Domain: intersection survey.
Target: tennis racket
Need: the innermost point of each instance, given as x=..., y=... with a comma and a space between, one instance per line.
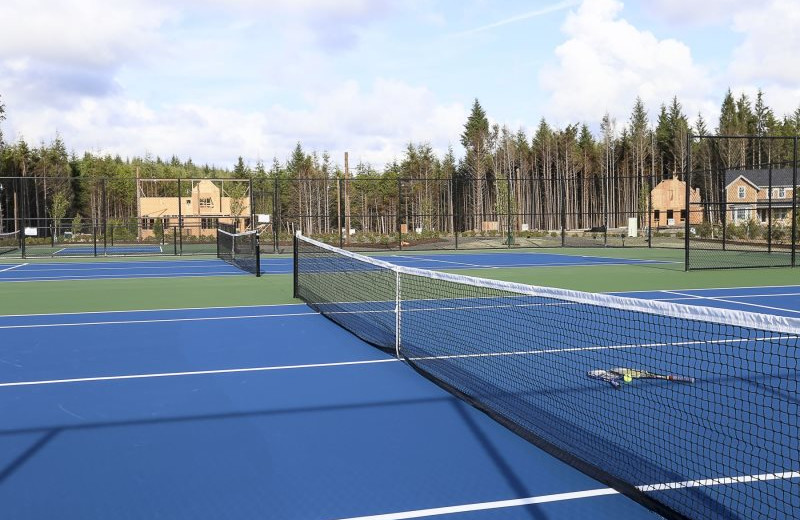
x=644, y=374
x=607, y=376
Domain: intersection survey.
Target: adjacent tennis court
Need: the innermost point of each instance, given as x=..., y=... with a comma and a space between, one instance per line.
x=31, y=271
x=277, y=412
x=26, y=270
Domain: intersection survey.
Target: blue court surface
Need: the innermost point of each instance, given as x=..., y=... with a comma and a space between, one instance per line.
x=495, y=260
x=29, y=270
x=110, y=250
x=266, y=412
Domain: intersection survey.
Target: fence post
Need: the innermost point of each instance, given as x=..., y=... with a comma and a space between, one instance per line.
x=276, y=223
x=340, y=210
x=794, y=203
x=455, y=187
x=563, y=211
x=509, y=232
x=180, y=217
x=21, y=221
x=295, y=243
x=650, y=211
x=687, y=179
x=104, y=216
x=253, y=223
x=769, y=209
x=399, y=214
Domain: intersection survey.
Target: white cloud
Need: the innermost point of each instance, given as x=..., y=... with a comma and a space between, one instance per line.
x=767, y=56
x=374, y=125
x=694, y=12
x=606, y=62
x=93, y=33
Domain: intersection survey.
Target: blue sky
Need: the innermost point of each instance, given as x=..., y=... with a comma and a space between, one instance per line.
x=212, y=79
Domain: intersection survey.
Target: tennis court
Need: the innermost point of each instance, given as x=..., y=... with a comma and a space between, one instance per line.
x=31, y=271
x=99, y=269
x=274, y=411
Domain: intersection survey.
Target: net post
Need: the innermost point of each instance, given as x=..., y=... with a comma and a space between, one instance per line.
x=397, y=311
x=687, y=179
x=295, y=244
x=217, y=239
x=175, y=240
x=258, y=257
x=94, y=236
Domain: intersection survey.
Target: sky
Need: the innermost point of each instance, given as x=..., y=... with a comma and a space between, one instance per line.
x=213, y=80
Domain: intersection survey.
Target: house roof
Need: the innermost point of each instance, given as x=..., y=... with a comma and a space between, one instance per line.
x=760, y=177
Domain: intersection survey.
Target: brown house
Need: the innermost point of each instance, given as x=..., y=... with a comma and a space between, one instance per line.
x=200, y=212
x=669, y=204
x=747, y=195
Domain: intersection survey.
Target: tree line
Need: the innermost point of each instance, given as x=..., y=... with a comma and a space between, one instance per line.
x=505, y=178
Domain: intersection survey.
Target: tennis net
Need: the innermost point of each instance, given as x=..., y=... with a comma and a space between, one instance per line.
x=240, y=249
x=9, y=242
x=725, y=446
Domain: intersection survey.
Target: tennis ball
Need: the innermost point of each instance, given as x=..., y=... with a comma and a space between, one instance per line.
x=627, y=378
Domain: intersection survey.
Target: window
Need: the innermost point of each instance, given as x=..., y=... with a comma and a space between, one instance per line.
x=741, y=192
x=670, y=214
x=657, y=214
x=206, y=202
x=742, y=214
x=208, y=223
x=147, y=223
x=683, y=215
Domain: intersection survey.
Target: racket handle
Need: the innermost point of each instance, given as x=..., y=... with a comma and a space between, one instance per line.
x=681, y=379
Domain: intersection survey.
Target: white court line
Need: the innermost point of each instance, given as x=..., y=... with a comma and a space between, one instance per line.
x=352, y=363
x=164, y=320
x=197, y=373
x=45, y=261
x=565, y=264
x=133, y=277
x=725, y=300
x=485, y=506
x=94, y=267
x=12, y=267
x=706, y=289
x=576, y=495
x=60, y=250
x=428, y=259
x=154, y=310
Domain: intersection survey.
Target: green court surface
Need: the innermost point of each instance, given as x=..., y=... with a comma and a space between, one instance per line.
x=216, y=291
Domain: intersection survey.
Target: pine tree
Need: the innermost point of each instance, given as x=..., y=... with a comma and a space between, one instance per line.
x=475, y=140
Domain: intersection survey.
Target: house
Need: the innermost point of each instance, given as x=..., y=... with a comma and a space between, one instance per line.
x=747, y=195
x=199, y=212
x=669, y=204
